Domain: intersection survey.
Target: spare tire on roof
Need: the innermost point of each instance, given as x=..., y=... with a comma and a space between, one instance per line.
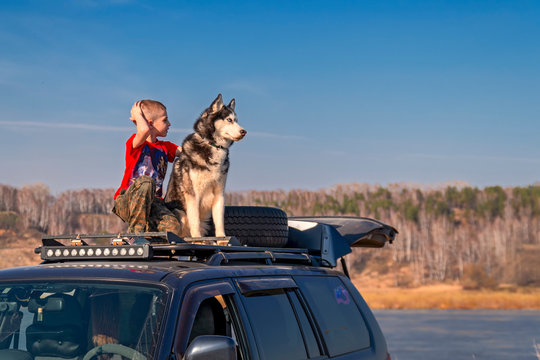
x=260, y=226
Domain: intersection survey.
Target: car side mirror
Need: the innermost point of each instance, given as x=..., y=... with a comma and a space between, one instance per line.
x=213, y=347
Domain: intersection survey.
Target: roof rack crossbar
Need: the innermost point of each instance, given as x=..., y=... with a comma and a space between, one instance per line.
x=98, y=236
x=271, y=257
x=165, y=249
x=221, y=257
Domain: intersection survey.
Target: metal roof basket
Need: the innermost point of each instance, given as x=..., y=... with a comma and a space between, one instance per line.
x=318, y=241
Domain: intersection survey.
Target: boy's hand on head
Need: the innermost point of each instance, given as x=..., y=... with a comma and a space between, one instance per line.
x=144, y=127
x=137, y=114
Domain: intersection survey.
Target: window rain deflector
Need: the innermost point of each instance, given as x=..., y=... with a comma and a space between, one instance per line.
x=255, y=285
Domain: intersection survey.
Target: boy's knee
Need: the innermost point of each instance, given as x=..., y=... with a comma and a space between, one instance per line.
x=170, y=223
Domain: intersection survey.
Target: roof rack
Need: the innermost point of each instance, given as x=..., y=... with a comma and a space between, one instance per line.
x=146, y=246
x=318, y=240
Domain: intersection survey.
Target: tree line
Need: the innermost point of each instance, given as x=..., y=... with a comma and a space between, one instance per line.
x=455, y=232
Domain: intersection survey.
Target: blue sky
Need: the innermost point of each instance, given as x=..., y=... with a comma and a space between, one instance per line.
x=329, y=91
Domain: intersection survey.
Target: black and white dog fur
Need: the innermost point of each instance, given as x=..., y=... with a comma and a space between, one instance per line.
x=197, y=182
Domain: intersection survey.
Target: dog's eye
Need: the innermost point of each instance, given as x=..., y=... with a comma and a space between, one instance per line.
x=229, y=120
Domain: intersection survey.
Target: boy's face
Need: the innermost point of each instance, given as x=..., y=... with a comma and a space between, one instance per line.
x=161, y=123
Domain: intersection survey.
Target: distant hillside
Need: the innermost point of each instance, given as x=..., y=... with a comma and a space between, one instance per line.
x=454, y=232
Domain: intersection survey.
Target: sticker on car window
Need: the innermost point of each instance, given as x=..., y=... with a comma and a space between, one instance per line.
x=342, y=295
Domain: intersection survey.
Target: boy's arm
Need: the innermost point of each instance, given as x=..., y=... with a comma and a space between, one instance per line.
x=143, y=126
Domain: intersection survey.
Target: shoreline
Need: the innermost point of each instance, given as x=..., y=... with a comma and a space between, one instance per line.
x=446, y=297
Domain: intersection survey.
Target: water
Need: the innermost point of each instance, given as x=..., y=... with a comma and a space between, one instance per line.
x=461, y=334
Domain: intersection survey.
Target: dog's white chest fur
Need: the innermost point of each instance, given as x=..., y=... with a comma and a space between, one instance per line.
x=210, y=183
x=203, y=180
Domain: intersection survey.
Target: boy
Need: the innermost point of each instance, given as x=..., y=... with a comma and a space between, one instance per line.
x=139, y=199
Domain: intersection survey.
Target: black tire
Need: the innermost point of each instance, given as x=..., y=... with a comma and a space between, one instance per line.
x=259, y=226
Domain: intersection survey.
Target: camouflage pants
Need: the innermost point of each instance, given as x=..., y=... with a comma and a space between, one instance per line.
x=142, y=210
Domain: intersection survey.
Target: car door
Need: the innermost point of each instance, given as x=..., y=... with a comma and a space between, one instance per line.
x=276, y=319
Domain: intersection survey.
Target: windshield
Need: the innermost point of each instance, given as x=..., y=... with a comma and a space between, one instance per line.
x=79, y=320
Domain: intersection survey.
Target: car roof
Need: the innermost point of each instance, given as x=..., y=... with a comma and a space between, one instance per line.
x=149, y=271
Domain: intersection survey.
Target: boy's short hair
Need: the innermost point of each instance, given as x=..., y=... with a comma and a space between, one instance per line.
x=151, y=107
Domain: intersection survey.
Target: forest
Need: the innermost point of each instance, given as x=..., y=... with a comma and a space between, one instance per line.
x=478, y=237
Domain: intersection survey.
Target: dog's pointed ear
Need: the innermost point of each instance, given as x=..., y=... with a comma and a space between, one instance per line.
x=217, y=104
x=232, y=104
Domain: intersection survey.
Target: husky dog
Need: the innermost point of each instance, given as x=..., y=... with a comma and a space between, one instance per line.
x=197, y=182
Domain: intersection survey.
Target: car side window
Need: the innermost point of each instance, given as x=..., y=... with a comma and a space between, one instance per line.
x=210, y=319
x=340, y=321
x=274, y=325
x=216, y=316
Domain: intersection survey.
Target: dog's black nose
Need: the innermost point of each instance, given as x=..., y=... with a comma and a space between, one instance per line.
x=243, y=132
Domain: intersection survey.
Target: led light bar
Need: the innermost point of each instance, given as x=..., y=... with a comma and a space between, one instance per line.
x=96, y=252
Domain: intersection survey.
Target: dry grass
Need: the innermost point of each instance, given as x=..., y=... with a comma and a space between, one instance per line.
x=18, y=249
x=450, y=297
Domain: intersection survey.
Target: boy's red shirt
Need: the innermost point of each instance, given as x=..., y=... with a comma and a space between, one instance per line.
x=149, y=159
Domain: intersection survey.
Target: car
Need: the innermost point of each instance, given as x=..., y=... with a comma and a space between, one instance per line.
x=158, y=296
